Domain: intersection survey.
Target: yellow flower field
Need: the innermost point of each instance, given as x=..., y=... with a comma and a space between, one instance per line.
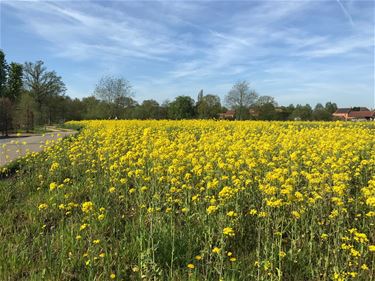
x=198, y=200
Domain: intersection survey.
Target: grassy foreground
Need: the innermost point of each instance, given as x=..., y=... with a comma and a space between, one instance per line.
x=194, y=200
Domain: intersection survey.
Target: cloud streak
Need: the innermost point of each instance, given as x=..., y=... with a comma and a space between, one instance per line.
x=345, y=11
x=193, y=45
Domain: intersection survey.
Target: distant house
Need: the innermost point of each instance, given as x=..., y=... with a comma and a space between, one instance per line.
x=354, y=114
x=229, y=115
x=342, y=113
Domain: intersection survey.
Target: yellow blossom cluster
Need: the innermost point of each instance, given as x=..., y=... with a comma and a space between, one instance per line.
x=217, y=199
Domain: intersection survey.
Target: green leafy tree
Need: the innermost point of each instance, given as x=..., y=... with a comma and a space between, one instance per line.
x=200, y=96
x=331, y=107
x=6, y=105
x=265, y=108
x=14, y=83
x=149, y=109
x=27, y=112
x=266, y=111
x=3, y=74
x=302, y=112
x=73, y=109
x=321, y=113
x=181, y=108
x=94, y=109
x=208, y=106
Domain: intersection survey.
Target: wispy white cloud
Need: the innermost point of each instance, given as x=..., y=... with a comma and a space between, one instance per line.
x=79, y=34
x=171, y=45
x=345, y=11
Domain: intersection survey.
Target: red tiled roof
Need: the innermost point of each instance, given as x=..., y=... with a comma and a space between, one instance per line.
x=361, y=114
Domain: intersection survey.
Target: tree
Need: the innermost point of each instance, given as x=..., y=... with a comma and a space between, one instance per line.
x=265, y=108
x=331, y=107
x=262, y=100
x=209, y=106
x=94, y=109
x=5, y=103
x=116, y=92
x=266, y=111
x=15, y=83
x=149, y=109
x=3, y=74
x=181, y=108
x=301, y=112
x=6, y=108
x=200, y=96
x=26, y=112
x=240, y=98
x=321, y=113
x=44, y=86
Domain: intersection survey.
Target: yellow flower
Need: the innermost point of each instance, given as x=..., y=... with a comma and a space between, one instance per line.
x=191, y=266
x=228, y=231
x=231, y=214
x=42, y=206
x=211, y=209
x=216, y=250
x=52, y=186
x=354, y=253
x=102, y=255
x=83, y=226
x=282, y=254
x=112, y=276
x=131, y=190
x=296, y=215
x=97, y=241
x=364, y=267
x=198, y=258
x=233, y=259
x=111, y=189
x=135, y=269
x=78, y=237
x=262, y=214
x=54, y=166
x=324, y=236
x=371, y=248
x=87, y=207
x=101, y=217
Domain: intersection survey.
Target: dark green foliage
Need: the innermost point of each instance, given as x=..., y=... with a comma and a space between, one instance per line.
x=302, y=112
x=208, y=106
x=14, y=83
x=181, y=108
x=3, y=74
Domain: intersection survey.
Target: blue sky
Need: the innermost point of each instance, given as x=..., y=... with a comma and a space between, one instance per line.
x=296, y=51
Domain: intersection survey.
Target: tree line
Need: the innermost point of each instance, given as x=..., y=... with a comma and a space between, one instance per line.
x=31, y=95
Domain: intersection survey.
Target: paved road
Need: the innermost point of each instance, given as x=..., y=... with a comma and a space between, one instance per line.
x=13, y=148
